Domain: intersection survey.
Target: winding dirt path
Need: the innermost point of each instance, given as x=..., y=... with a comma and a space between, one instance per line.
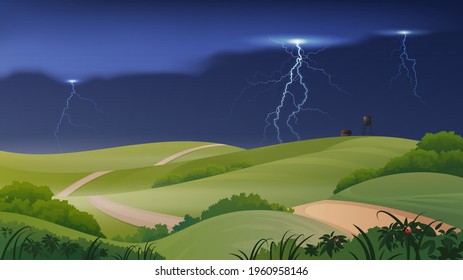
x=131, y=215
x=182, y=153
x=75, y=186
x=344, y=214
x=72, y=188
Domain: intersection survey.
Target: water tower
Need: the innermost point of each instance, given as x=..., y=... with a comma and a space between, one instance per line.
x=367, y=128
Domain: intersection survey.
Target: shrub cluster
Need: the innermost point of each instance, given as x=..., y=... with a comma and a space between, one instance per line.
x=199, y=173
x=441, y=152
x=402, y=239
x=36, y=201
x=241, y=202
x=146, y=234
x=236, y=203
x=19, y=241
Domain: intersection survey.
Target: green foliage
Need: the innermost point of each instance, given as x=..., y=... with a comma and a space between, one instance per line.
x=441, y=152
x=14, y=237
x=188, y=220
x=441, y=142
x=50, y=243
x=241, y=202
x=236, y=203
x=288, y=248
x=355, y=177
x=198, y=173
x=30, y=243
x=254, y=251
x=25, y=191
x=145, y=234
x=148, y=252
x=331, y=243
x=68, y=248
x=36, y=201
x=451, y=248
x=400, y=240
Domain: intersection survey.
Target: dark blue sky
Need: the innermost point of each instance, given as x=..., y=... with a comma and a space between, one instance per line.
x=82, y=39
x=173, y=70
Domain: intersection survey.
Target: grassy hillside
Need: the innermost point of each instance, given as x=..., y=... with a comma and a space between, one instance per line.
x=55, y=180
x=290, y=174
x=97, y=160
x=217, y=237
x=44, y=225
x=143, y=178
x=214, y=238
x=291, y=179
x=60, y=170
x=111, y=227
x=438, y=196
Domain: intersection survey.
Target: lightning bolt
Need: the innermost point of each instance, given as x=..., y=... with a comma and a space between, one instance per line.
x=65, y=112
x=291, y=103
x=407, y=66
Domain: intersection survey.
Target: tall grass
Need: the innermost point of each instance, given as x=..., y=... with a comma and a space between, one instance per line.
x=253, y=254
x=15, y=237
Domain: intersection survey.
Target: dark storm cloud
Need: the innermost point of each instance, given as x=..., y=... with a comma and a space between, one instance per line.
x=84, y=39
x=170, y=70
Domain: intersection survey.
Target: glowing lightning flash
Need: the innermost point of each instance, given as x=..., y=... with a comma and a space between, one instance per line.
x=296, y=103
x=65, y=113
x=407, y=64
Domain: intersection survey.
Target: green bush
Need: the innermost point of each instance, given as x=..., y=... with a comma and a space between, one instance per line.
x=441, y=152
x=441, y=141
x=188, y=220
x=241, y=202
x=236, y=203
x=21, y=242
x=403, y=239
x=198, y=173
x=355, y=177
x=15, y=198
x=25, y=191
x=145, y=234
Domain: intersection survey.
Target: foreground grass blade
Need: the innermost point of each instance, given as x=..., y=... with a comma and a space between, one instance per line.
x=12, y=237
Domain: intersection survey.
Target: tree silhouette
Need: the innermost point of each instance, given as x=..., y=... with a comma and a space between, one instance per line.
x=68, y=248
x=32, y=247
x=6, y=231
x=50, y=243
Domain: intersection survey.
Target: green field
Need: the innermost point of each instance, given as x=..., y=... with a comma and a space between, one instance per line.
x=214, y=238
x=437, y=196
x=98, y=160
x=289, y=179
x=60, y=170
x=217, y=237
x=290, y=174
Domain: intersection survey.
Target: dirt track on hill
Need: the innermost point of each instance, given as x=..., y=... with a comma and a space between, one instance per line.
x=133, y=216
x=75, y=186
x=344, y=214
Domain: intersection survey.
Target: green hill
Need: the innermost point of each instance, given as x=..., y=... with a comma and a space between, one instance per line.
x=217, y=237
x=60, y=170
x=439, y=196
x=288, y=178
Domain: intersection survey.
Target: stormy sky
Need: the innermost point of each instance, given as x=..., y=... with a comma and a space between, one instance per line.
x=180, y=70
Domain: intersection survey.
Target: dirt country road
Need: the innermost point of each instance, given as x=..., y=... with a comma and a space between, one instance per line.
x=344, y=214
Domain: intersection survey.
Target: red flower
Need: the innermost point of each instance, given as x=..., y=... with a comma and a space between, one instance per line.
x=408, y=230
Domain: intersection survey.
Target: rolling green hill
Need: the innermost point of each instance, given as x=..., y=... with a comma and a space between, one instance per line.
x=217, y=237
x=281, y=176
x=105, y=159
x=60, y=170
x=438, y=196
x=214, y=238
